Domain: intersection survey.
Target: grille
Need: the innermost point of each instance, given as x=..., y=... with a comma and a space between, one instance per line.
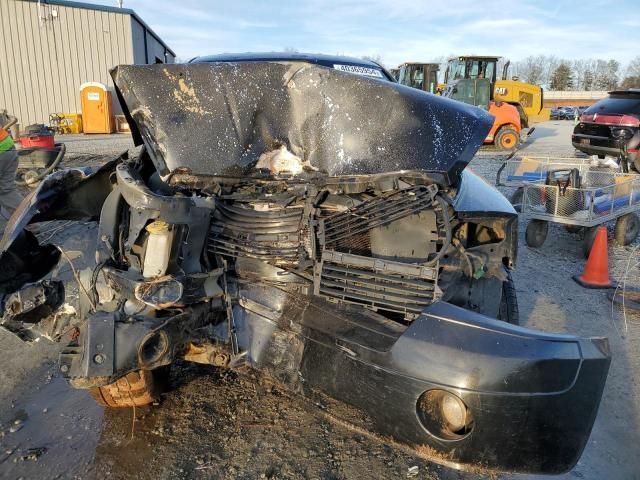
x=349, y=231
x=273, y=236
x=375, y=283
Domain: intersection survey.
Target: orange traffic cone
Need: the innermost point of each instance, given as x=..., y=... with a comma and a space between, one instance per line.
x=596, y=272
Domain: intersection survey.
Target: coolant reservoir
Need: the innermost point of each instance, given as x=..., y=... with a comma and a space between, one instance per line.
x=156, y=258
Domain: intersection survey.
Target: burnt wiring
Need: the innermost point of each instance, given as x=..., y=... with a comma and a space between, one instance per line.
x=443, y=203
x=464, y=255
x=77, y=277
x=54, y=231
x=94, y=281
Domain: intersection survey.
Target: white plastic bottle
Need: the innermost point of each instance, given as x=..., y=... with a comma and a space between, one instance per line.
x=156, y=258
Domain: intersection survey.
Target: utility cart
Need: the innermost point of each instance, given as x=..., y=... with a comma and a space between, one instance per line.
x=574, y=193
x=38, y=154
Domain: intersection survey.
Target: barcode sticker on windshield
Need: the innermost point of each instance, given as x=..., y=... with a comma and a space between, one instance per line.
x=369, y=72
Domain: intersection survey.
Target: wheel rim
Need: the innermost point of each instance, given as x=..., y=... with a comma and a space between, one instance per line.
x=632, y=227
x=508, y=141
x=537, y=231
x=516, y=199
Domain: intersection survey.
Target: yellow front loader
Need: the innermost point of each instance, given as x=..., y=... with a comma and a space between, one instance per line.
x=527, y=98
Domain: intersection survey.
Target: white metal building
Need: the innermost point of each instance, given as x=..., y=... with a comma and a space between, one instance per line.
x=50, y=47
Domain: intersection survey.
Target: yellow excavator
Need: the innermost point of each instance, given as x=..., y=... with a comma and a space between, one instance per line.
x=526, y=97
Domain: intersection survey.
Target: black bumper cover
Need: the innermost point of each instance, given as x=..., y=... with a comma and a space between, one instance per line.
x=533, y=396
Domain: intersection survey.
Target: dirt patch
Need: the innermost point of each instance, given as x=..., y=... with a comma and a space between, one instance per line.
x=216, y=424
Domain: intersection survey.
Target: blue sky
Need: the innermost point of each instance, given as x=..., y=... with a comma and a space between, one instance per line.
x=397, y=30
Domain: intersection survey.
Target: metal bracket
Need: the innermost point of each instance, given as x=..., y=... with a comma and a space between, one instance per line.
x=99, y=347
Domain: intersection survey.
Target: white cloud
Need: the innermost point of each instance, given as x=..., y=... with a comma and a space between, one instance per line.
x=398, y=30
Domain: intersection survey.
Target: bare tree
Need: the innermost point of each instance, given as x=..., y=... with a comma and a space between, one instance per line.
x=633, y=69
x=606, y=74
x=632, y=74
x=531, y=69
x=630, y=82
x=587, y=79
x=579, y=68
x=613, y=69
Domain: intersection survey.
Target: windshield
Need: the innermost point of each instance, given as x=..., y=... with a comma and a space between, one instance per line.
x=619, y=104
x=412, y=76
x=483, y=69
x=459, y=69
x=456, y=69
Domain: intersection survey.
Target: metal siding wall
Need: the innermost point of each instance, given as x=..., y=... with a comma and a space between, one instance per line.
x=15, y=69
x=146, y=52
x=45, y=62
x=38, y=75
x=76, y=61
x=127, y=34
x=155, y=49
x=51, y=46
x=137, y=37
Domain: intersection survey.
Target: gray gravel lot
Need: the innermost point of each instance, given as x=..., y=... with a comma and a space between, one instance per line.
x=217, y=425
x=96, y=144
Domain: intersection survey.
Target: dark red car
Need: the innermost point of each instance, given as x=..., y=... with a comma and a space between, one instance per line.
x=611, y=127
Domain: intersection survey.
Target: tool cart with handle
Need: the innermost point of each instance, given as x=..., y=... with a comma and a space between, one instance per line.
x=573, y=193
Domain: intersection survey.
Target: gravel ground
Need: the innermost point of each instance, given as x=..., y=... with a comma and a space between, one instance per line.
x=216, y=424
x=96, y=144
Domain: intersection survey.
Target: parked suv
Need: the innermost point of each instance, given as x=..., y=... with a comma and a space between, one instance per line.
x=611, y=127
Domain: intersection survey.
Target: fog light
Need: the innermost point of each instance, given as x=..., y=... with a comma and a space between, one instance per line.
x=454, y=412
x=444, y=415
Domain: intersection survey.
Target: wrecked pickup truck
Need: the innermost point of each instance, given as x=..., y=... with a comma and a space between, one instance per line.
x=315, y=222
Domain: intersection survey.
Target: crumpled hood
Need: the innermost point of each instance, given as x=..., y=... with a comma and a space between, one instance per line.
x=217, y=119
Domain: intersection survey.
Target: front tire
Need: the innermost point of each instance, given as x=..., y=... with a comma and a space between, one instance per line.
x=589, y=238
x=517, y=199
x=626, y=229
x=136, y=389
x=507, y=139
x=536, y=233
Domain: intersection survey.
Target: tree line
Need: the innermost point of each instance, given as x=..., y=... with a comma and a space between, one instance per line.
x=588, y=74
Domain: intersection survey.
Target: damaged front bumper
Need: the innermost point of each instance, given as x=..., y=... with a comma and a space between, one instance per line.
x=537, y=393
x=454, y=385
